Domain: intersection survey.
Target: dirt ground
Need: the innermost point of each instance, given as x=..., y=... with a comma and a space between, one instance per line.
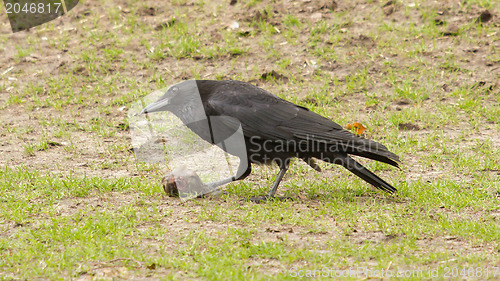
x=62, y=87
x=47, y=61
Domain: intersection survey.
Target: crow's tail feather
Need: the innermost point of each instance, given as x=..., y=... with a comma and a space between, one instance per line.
x=362, y=172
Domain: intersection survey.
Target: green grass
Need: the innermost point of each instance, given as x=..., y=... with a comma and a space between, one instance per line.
x=96, y=228
x=74, y=203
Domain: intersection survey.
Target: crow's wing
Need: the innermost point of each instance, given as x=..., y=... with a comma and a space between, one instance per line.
x=259, y=113
x=264, y=115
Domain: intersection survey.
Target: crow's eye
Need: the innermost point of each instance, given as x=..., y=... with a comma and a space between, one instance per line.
x=175, y=89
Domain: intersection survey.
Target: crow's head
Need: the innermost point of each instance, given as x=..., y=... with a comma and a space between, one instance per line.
x=177, y=99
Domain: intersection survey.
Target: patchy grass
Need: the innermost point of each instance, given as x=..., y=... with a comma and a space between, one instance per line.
x=423, y=77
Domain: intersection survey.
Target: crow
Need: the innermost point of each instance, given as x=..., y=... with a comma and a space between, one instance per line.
x=274, y=130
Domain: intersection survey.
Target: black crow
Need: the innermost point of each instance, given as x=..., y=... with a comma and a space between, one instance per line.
x=275, y=130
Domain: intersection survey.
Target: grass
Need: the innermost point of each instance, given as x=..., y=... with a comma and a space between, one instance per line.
x=75, y=204
x=101, y=231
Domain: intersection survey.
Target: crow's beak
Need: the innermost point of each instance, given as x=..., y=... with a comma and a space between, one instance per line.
x=160, y=105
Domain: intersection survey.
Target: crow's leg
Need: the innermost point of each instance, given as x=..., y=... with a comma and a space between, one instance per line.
x=272, y=191
x=243, y=172
x=213, y=185
x=276, y=183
